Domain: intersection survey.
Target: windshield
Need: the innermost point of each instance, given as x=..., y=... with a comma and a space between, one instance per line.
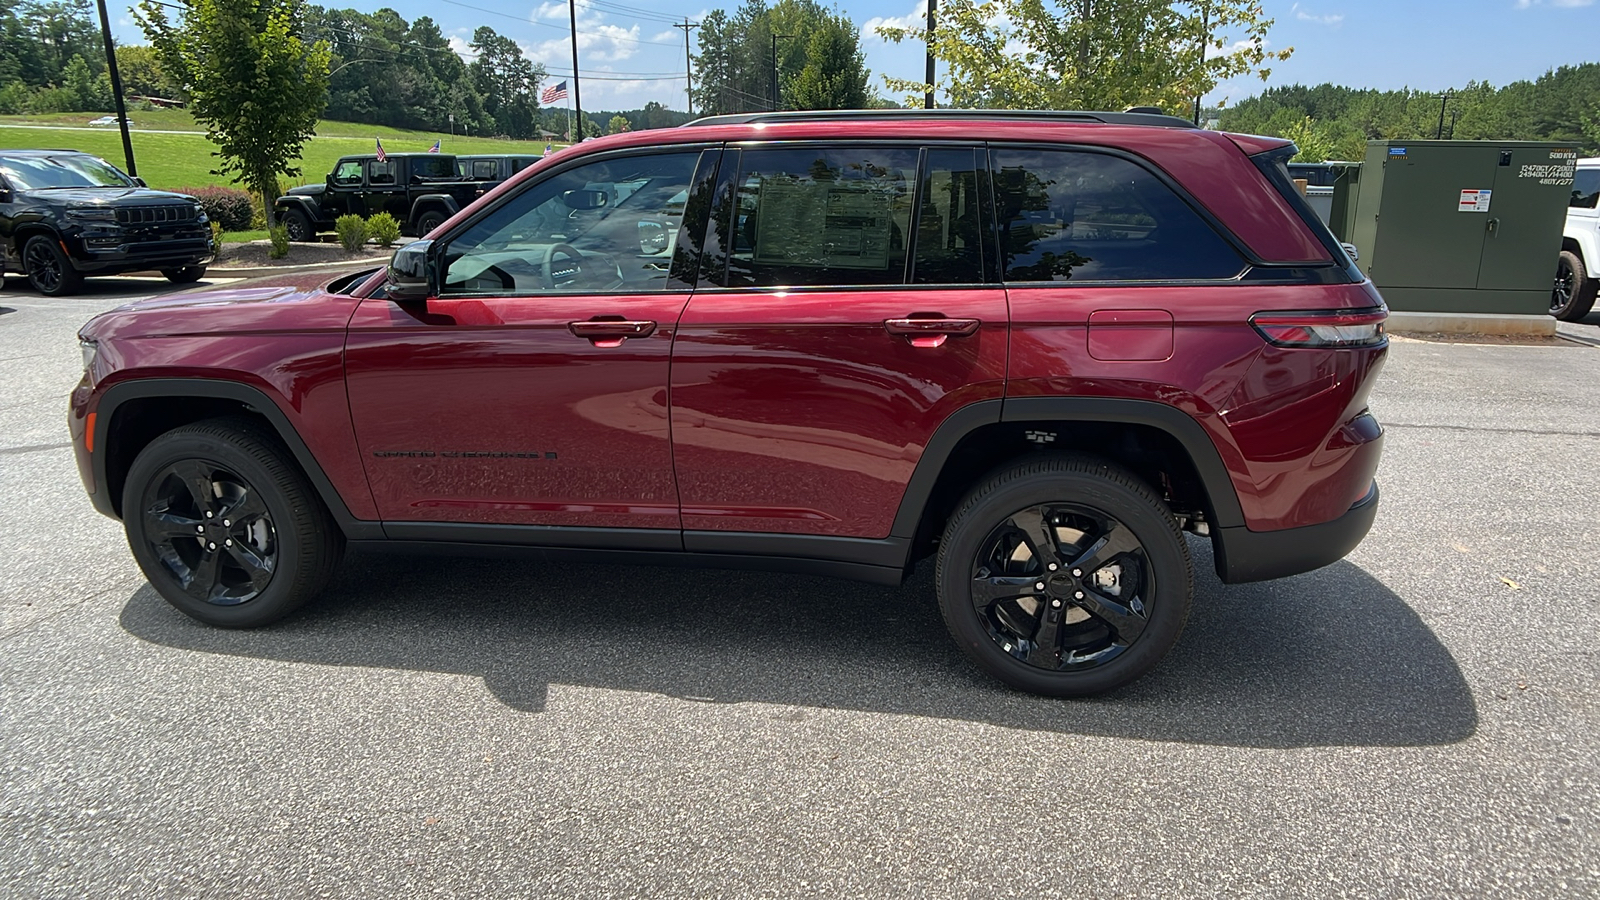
x=32, y=173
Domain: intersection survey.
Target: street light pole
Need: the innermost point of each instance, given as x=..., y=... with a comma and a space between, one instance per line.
x=927, y=99
x=1444, y=99
x=116, y=89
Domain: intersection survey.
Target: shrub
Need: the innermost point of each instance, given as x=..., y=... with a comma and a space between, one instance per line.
x=216, y=233
x=229, y=207
x=279, y=234
x=352, y=232
x=384, y=229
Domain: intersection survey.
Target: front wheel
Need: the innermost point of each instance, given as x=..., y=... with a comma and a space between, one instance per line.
x=48, y=268
x=1065, y=577
x=298, y=227
x=224, y=525
x=185, y=275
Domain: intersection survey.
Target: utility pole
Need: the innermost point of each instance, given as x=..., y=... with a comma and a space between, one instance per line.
x=577, y=102
x=116, y=89
x=688, y=71
x=927, y=99
x=1205, y=34
x=1443, y=98
x=777, y=102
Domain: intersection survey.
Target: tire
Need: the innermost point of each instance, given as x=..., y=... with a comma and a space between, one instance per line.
x=185, y=275
x=428, y=221
x=1574, y=291
x=228, y=480
x=48, y=269
x=298, y=227
x=1091, y=628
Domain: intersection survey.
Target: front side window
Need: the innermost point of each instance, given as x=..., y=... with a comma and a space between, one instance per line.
x=608, y=226
x=1585, y=188
x=1079, y=216
x=348, y=173
x=827, y=217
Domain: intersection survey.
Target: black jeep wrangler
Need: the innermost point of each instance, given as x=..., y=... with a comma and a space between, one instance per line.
x=65, y=214
x=420, y=190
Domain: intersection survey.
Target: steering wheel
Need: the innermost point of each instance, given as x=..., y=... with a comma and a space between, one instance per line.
x=549, y=261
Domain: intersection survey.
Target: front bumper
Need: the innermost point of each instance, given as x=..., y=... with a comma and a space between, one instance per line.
x=1243, y=555
x=109, y=252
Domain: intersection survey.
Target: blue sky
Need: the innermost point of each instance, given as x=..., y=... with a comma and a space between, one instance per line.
x=635, y=55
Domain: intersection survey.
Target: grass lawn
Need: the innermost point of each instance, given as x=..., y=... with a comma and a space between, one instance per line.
x=184, y=160
x=241, y=237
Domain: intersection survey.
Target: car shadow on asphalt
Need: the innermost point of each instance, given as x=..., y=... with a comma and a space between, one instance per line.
x=1328, y=658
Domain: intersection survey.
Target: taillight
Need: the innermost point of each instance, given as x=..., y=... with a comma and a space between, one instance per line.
x=1325, y=329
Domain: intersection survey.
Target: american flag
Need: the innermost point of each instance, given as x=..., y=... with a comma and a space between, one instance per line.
x=435, y=147
x=382, y=156
x=552, y=94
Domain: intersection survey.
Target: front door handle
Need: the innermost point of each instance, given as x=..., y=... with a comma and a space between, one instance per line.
x=931, y=329
x=611, y=331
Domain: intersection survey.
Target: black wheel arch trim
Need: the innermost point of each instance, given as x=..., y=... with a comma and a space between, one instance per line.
x=1224, y=502
x=306, y=206
x=426, y=203
x=257, y=401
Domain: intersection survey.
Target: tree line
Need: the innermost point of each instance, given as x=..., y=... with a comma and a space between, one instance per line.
x=1333, y=122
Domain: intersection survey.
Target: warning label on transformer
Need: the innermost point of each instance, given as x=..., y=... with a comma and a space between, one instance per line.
x=1474, y=200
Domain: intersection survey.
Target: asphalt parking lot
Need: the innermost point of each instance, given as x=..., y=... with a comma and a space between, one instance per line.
x=1419, y=720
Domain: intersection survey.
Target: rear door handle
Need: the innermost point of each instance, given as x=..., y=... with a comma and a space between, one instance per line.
x=931, y=329
x=611, y=332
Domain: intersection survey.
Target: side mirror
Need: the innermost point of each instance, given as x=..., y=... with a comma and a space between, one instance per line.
x=409, y=277
x=139, y=181
x=584, y=199
x=5, y=195
x=653, y=238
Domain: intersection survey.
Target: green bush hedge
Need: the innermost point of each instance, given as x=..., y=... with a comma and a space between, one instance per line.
x=227, y=206
x=352, y=231
x=384, y=229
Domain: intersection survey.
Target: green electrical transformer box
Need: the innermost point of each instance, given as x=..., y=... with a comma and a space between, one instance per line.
x=1459, y=226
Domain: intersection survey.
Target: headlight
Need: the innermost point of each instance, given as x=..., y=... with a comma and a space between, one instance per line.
x=90, y=349
x=200, y=214
x=92, y=213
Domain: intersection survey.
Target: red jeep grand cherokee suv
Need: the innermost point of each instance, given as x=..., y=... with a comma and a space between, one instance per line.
x=1039, y=346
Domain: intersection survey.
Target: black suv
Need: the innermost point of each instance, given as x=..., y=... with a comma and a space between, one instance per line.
x=65, y=214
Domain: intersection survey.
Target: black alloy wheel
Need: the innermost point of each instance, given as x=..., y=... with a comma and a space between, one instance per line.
x=47, y=267
x=1061, y=586
x=211, y=531
x=1064, y=576
x=428, y=222
x=298, y=227
x=1573, y=294
x=225, y=526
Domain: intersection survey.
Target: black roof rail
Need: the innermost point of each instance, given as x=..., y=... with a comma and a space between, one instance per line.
x=1141, y=117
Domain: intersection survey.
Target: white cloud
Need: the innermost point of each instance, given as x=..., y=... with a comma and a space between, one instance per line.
x=1329, y=19
x=462, y=48
x=598, y=41
x=916, y=18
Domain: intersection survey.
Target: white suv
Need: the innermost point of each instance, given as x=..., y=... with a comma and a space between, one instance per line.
x=1576, y=279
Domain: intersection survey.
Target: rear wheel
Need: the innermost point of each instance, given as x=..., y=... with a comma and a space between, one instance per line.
x=427, y=222
x=1065, y=577
x=225, y=527
x=1574, y=291
x=47, y=267
x=185, y=275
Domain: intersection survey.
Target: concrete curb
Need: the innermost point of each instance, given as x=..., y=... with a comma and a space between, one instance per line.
x=1470, y=323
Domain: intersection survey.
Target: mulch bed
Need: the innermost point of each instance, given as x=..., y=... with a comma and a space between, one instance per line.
x=254, y=255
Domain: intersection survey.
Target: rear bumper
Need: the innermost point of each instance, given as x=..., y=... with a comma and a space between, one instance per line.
x=1243, y=555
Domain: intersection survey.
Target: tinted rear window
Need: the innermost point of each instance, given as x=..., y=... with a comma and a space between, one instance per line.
x=1081, y=216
